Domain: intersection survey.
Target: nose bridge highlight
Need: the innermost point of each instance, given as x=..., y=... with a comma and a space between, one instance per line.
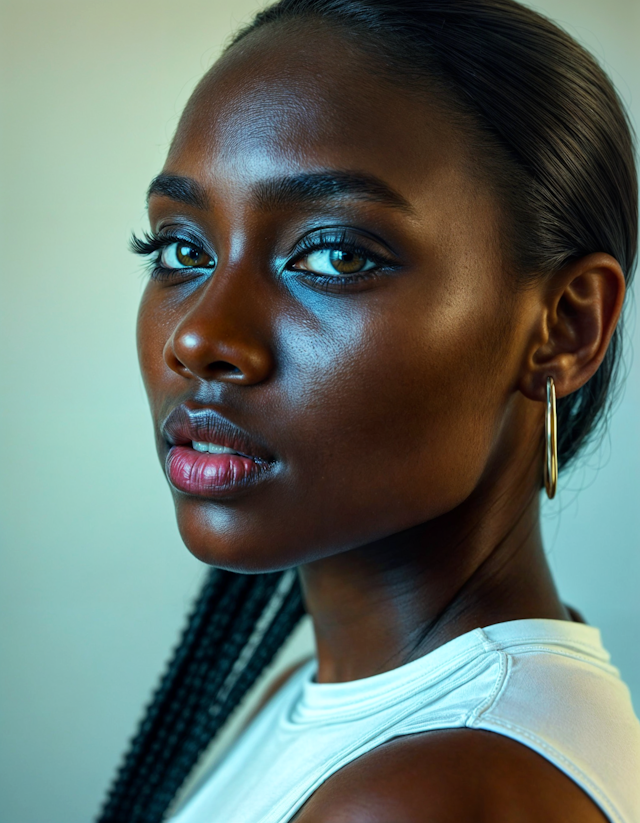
x=223, y=334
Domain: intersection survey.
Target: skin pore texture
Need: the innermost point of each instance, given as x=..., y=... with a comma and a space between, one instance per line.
x=402, y=412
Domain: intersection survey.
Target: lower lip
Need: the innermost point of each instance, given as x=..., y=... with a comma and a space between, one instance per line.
x=211, y=475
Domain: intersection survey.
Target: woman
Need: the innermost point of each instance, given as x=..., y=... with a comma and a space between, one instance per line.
x=386, y=238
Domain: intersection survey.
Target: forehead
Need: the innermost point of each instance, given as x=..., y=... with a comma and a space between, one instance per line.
x=291, y=99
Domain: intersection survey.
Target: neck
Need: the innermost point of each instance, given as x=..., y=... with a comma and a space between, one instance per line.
x=379, y=606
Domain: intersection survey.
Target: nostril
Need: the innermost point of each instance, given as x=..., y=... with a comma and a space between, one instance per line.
x=220, y=367
x=200, y=354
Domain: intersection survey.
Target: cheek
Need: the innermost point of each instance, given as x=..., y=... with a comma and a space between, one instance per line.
x=153, y=328
x=382, y=410
x=146, y=337
x=399, y=407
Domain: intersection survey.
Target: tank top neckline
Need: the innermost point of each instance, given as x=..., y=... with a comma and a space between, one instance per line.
x=318, y=701
x=548, y=684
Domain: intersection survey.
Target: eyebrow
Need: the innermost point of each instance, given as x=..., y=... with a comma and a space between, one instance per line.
x=295, y=190
x=182, y=189
x=310, y=187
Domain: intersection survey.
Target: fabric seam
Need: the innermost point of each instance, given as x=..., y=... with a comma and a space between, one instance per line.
x=504, y=668
x=605, y=667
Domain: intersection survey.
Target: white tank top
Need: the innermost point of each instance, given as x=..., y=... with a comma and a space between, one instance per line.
x=545, y=683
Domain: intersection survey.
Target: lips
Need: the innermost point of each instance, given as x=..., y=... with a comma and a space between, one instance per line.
x=185, y=426
x=211, y=473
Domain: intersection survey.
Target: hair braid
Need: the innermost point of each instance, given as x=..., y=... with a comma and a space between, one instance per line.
x=214, y=662
x=198, y=619
x=178, y=713
x=217, y=660
x=214, y=713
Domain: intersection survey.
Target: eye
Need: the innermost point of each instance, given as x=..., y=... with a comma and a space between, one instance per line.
x=183, y=255
x=332, y=261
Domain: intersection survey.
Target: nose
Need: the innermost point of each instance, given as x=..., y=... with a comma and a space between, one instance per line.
x=224, y=336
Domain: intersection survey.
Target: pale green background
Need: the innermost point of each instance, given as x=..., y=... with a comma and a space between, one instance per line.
x=95, y=580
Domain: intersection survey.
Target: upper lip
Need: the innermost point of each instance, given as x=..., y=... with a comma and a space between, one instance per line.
x=184, y=425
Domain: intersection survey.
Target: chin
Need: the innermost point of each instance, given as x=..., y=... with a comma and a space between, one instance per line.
x=219, y=536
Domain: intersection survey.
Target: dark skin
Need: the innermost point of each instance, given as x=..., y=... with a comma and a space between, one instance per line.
x=404, y=410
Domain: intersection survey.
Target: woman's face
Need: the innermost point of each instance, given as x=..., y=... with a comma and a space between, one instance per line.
x=331, y=300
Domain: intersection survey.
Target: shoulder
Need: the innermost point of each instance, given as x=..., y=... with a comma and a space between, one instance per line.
x=448, y=776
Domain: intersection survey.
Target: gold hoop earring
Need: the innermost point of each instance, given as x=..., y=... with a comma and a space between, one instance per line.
x=551, y=441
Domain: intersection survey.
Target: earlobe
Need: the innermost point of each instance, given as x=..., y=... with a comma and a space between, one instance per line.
x=581, y=305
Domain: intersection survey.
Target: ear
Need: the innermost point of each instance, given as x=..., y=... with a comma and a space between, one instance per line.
x=580, y=307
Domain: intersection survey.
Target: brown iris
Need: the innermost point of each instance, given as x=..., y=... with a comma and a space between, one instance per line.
x=189, y=255
x=346, y=262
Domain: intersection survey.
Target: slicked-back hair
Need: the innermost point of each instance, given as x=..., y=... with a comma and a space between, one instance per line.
x=553, y=139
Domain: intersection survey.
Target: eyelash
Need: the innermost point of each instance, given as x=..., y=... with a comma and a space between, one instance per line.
x=150, y=244
x=340, y=241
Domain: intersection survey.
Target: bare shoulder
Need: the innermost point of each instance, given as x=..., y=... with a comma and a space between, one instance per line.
x=449, y=776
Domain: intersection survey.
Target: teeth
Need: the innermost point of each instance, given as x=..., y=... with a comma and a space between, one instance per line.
x=212, y=448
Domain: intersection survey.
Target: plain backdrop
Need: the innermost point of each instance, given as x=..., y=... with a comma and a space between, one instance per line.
x=95, y=580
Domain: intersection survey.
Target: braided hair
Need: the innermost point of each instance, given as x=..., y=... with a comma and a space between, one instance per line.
x=236, y=627
x=553, y=138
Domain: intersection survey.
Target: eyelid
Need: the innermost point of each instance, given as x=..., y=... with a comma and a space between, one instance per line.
x=342, y=237
x=153, y=245
x=153, y=241
x=339, y=233
x=164, y=250
x=329, y=237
